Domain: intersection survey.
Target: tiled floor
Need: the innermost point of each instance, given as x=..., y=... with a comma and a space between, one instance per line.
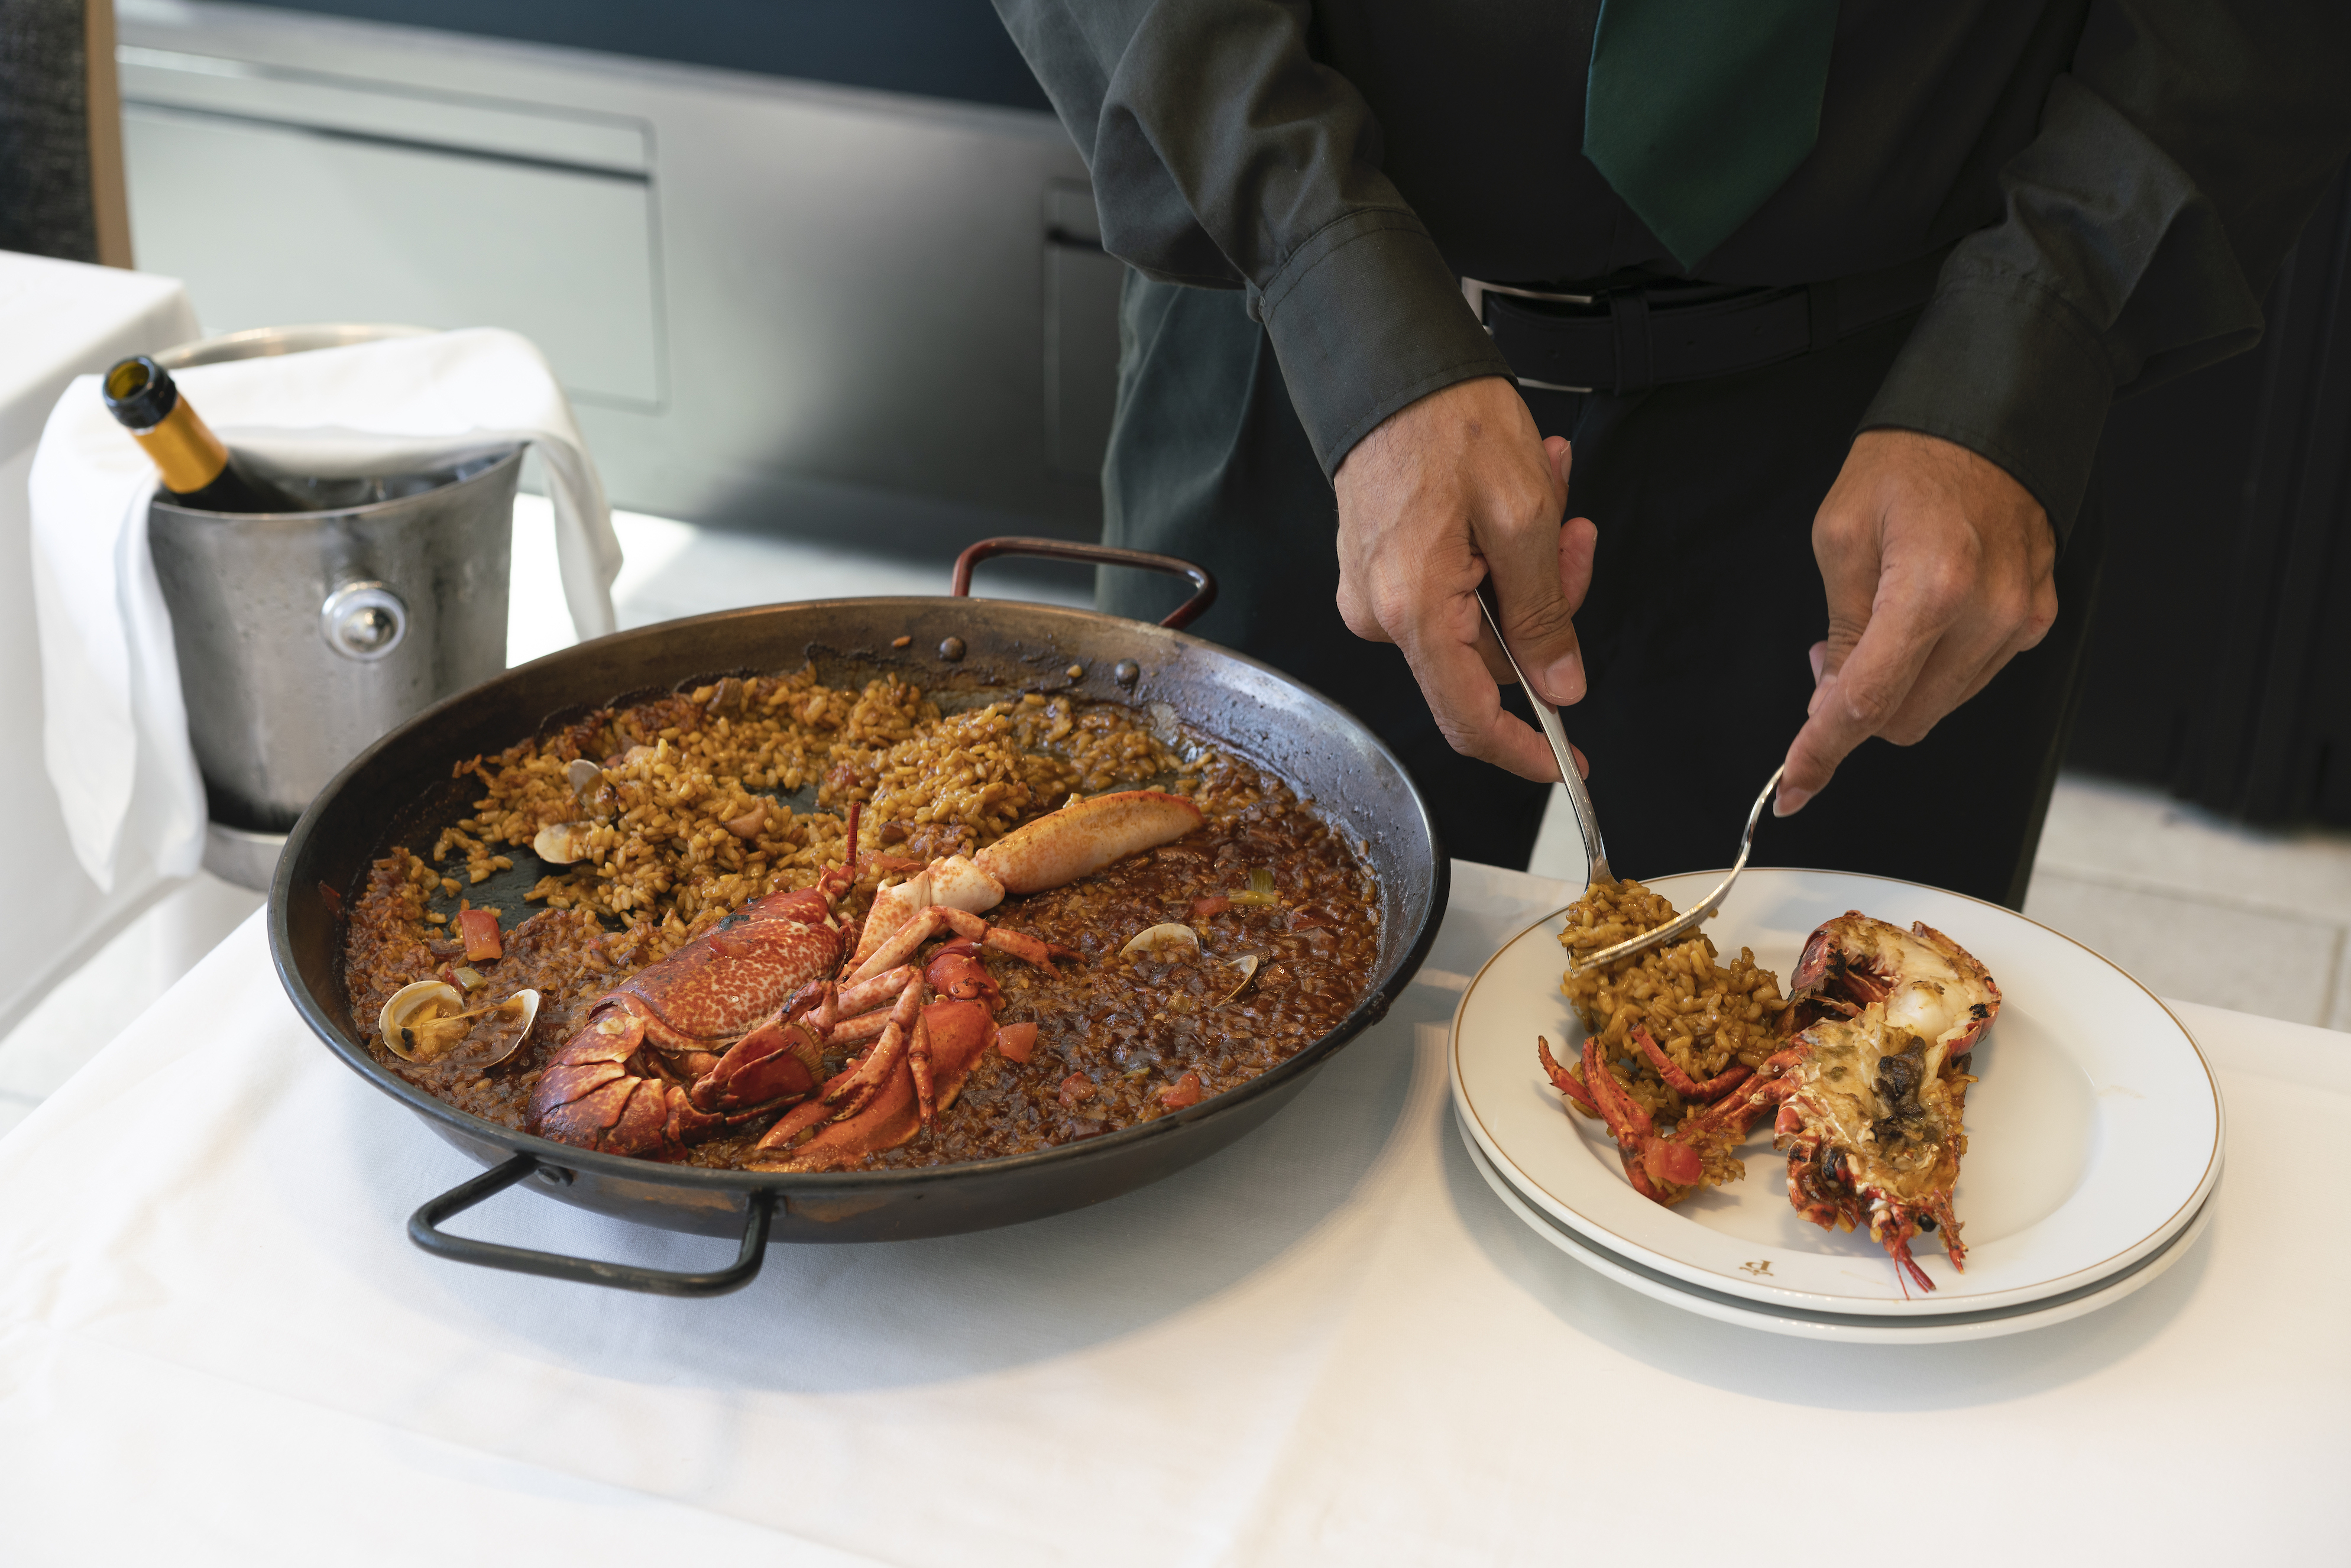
x=2195, y=907
x=2198, y=907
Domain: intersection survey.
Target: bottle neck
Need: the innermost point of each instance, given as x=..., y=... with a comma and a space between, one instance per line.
x=184, y=449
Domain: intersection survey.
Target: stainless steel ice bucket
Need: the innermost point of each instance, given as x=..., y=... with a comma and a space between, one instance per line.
x=303, y=636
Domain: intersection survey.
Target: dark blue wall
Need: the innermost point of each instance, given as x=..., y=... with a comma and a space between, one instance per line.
x=943, y=48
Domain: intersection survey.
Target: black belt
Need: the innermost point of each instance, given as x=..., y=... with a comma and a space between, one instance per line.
x=1629, y=340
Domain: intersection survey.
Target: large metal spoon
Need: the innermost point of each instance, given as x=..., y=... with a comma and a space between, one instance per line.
x=1587, y=822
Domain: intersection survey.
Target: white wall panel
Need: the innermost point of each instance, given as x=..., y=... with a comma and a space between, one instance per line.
x=271, y=224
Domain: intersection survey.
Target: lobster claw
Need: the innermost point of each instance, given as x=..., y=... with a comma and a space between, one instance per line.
x=775, y=1062
x=957, y=972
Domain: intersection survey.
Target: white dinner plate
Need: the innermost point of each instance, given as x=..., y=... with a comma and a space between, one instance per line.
x=1848, y=1328
x=2093, y=1132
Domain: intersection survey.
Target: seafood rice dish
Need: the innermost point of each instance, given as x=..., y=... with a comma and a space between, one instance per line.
x=776, y=924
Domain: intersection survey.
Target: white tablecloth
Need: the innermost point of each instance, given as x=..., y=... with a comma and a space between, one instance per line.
x=1330, y=1344
x=58, y=319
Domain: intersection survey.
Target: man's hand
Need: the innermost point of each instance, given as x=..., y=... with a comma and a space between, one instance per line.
x=1443, y=491
x=1938, y=567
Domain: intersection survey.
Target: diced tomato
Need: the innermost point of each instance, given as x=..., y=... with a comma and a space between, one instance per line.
x=1017, y=1041
x=479, y=927
x=1077, y=1086
x=1204, y=908
x=1185, y=1091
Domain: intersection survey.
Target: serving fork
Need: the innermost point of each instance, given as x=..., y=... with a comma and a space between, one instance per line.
x=1587, y=822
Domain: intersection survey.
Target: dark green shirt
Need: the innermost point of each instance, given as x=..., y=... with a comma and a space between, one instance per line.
x=2122, y=177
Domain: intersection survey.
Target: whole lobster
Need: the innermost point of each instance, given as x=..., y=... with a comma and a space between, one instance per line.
x=733, y=1027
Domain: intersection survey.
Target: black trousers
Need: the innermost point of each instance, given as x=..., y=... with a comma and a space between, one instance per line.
x=1705, y=601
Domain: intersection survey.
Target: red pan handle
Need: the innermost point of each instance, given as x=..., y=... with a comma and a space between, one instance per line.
x=1204, y=586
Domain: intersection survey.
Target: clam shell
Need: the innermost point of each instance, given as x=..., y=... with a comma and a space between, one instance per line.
x=523, y=1006
x=560, y=843
x=413, y=1004
x=1164, y=941
x=437, y=1002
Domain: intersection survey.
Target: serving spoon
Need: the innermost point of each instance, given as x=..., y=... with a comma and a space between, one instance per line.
x=1587, y=822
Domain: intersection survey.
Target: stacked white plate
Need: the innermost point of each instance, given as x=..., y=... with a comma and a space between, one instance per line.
x=2094, y=1135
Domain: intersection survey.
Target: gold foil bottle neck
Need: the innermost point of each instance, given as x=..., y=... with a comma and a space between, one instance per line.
x=184, y=450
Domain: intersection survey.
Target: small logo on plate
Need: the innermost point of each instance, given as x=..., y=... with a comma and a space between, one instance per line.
x=1760, y=1265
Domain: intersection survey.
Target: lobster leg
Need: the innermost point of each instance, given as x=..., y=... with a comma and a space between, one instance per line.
x=1027, y=949
x=827, y=1010
x=849, y=1032
x=1563, y=1080
x=909, y=938
x=864, y=1021
x=1953, y=1247
x=1681, y=1082
x=883, y=1060
x=918, y=1062
x=798, y=1120
x=1900, y=1252
x=1649, y=1160
x=861, y=998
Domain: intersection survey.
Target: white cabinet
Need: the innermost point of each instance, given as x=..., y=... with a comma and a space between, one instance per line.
x=778, y=304
x=284, y=200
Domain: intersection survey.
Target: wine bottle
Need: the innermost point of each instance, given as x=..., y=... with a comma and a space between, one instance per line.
x=198, y=469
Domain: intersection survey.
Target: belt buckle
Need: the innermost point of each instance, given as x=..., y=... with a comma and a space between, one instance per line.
x=1475, y=289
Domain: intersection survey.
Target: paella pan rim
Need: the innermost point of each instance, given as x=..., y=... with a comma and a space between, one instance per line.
x=829, y=624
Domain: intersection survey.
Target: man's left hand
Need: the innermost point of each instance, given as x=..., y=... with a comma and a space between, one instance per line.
x=1939, y=569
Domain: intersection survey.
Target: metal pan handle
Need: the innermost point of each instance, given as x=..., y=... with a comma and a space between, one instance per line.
x=1204, y=586
x=423, y=1229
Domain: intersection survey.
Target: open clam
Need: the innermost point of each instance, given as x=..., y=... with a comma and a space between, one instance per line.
x=1170, y=943
x=425, y=1021
x=1167, y=942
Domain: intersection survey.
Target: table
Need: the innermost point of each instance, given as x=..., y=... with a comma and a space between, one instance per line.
x=1330, y=1344
x=58, y=319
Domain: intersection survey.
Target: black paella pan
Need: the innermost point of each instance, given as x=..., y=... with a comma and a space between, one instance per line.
x=400, y=792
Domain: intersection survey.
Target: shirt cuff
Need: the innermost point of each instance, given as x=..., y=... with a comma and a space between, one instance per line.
x=2001, y=365
x=1366, y=317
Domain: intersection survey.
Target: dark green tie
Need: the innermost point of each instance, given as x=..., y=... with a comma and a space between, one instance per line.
x=1697, y=111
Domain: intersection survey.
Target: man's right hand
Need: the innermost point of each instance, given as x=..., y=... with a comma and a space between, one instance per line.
x=1439, y=492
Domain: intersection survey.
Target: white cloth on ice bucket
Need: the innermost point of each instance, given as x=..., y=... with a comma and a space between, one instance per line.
x=116, y=734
